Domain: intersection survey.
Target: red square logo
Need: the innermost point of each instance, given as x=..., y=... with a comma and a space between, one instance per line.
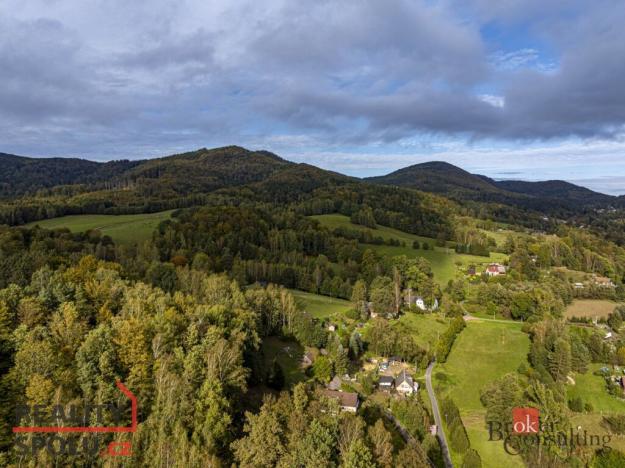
x=525, y=420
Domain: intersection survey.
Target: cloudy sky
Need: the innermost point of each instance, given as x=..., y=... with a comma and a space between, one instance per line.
x=526, y=89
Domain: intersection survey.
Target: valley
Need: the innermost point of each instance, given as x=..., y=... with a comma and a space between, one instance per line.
x=265, y=290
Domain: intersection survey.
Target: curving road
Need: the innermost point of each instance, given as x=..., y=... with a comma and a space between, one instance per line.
x=440, y=433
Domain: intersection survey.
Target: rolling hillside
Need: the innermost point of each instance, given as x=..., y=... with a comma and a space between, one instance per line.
x=554, y=196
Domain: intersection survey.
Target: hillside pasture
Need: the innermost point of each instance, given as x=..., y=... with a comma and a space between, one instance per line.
x=123, y=229
x=319, y=306
x=590, y=308
x=446, y=263
x=592, y=389
x=483, y=352
x=424, y=328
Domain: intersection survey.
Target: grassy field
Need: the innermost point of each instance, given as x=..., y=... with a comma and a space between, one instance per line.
x=444, y=260
x=289, y=354
x=425, y=328
x=592, y=423
x=484, y=352
x=593, y=308
x=320, y=306
x=591, y=388
x=122, y=228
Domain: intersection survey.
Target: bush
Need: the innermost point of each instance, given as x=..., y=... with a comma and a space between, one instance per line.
x=576, y=404
x=416, y=245
x=472, y=460
x=615, y=423
x=458, y=439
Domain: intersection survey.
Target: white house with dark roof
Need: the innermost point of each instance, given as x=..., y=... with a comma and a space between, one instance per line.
x=405, y=385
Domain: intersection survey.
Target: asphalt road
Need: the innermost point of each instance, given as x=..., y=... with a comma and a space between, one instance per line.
x=440, y=433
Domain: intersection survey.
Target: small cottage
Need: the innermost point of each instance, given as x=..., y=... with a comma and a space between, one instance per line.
x=495, y=269
x=347, y=401
x=405, y=385
x=386, y=383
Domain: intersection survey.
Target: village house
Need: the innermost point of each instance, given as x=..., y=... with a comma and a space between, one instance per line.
x=347, y=401
x=495, y=269
x=603, y=282
x=371, y=310
x=386, y=383
x=578, y=285
x=410, y=299
x=331, y=327
x=405, y=385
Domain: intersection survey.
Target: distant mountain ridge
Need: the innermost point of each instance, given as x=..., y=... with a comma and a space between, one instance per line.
x=451, y=181
x=206, y=170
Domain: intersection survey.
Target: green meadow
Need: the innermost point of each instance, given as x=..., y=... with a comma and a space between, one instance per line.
x=446, y=263
x=482, y=353
x=320, y=306
x=123, y=229
x=592, y=389
x=425, y=328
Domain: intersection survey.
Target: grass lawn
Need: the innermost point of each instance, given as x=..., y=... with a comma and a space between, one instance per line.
x=484, y=352
x=592, y=389
x=425, y=328
x=592, y=423
x=590, y=308
x=442, y=259
x=289, y=354
x=320, y=306
x=122, y=228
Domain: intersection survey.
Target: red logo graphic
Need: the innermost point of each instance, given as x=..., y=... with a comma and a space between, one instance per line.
x=525, y=420
x=114, y=448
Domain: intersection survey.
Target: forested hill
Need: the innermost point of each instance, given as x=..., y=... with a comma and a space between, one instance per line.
x=38, y=188
x=552, y=197
x=438, y=177
x=20, y=175
x=35, y=189
x=555, y=189
x=200, y=170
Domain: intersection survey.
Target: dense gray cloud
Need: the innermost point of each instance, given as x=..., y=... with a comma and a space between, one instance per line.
x=127, y=79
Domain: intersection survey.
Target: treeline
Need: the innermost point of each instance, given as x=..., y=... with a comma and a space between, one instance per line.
x=446, y=341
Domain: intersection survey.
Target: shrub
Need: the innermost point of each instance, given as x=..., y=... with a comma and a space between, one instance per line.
x=615, y=423
x=472, y=459
x=576, y=404
x=458, y=438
